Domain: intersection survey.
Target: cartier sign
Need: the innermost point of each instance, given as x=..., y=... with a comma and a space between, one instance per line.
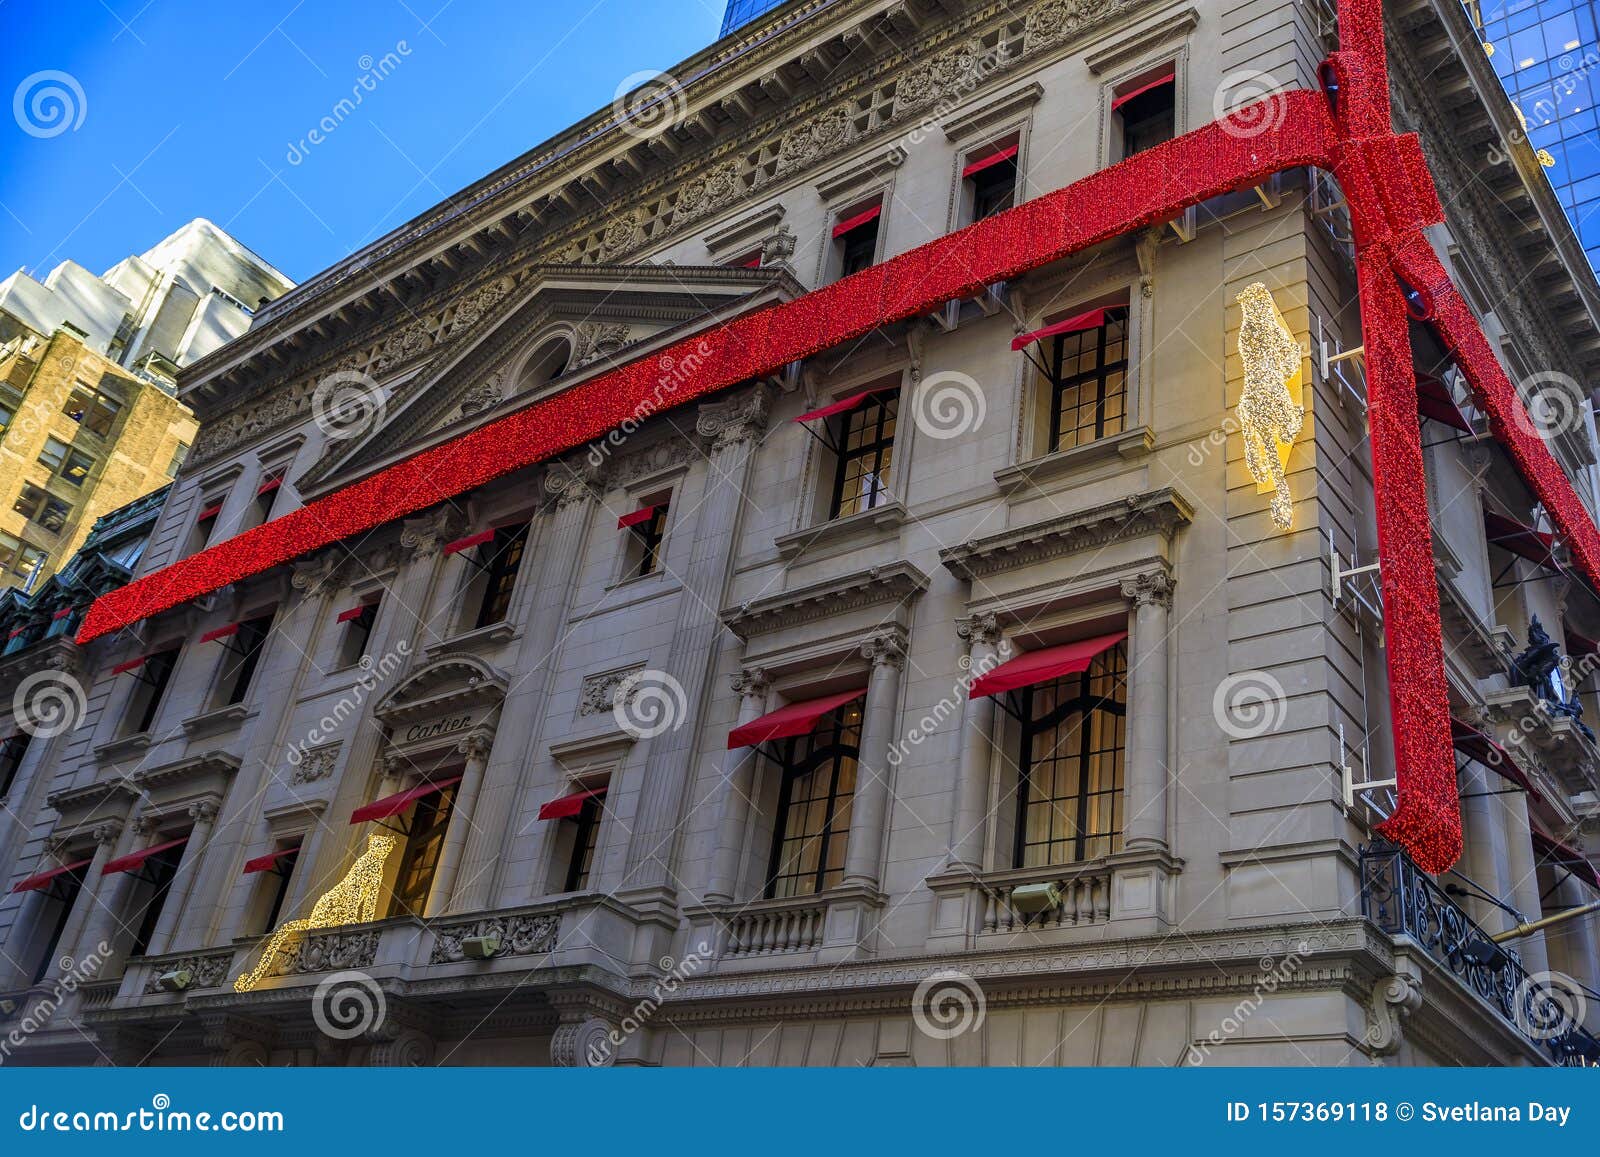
x=432, y=730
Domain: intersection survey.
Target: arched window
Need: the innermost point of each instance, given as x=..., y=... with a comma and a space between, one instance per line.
x=547, y=364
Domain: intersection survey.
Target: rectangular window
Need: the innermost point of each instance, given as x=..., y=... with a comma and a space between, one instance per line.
x=500, y=558
x=278, y=883
x=855, y=237
x=64, y=891
x=1069, y=793
x=12, y=752
x=1088, y=372
x=646, y=529
x=93, y=410
x=54, y=454
x=153, y=675
x=244, y=654
x=42, y=507
x=430, y=819
x=155, y=882
x=358, y=621
x=266, y=497
x=7, y=416
x=19, y=557
x=818, y=788
x=583, y=844
x=991, y=174
x=76, y=468
x=1144, y=112
x=865, y=438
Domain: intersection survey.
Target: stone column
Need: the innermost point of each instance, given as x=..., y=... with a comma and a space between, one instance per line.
x=104, y=898
x=870, y=808
x=982, y=636
x=1524, y=878
x=106, y=836
x=463, y=815
x=203, y=815
x=738, y=789
x=1577, y=939
x=733, y=428
x=1486, y=860
x=482, y=880
x=1145, y=779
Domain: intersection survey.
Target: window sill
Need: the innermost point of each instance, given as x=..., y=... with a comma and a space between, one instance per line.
x=216, y=721
x=476, y=640
x=123, y=747
x=862, y=525
x=1021, y=480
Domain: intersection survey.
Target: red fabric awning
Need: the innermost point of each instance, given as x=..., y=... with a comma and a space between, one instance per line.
x=845, y=405
x=792, y=719
x=34, y=883
x=62, y=613
x=860, y=219
x=993, y=159
x=1553, y=851
x=643, y=514
x=133, y=859
x=269, y=861
x=469, y=542
x=393, y=805
x=1581, y=644
x=569, y=805
x=220, y=633
x=1520, y=539
x=1093, y=319
x=1166, y=78
x=1042, y=665
x=210, y=512
x=352, y=613
x=19, y=631
x=268, y=486
x=1434, y=401
x=1474, y=744
x=130, y=665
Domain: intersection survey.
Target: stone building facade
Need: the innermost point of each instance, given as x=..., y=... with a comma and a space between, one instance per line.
x=709, y=744
x=82, y=437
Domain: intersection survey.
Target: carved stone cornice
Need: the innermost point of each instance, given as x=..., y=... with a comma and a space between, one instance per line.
x=216, y=766
x=896, y=583
x=1156, y=512
x=76, y=804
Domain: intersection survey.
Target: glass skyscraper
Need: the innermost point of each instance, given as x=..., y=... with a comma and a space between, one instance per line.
x=1548, y=57
x=741, y=12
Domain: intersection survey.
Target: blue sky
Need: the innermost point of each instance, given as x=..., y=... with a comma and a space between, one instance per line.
x=205, y=109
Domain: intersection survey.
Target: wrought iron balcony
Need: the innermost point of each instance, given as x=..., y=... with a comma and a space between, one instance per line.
x=1400, y=898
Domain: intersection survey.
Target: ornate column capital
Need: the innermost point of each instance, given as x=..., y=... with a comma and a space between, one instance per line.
x=976, y=629
x=885, y=651
x=474, y=746
x=752, y=683
x=735, y=420
x=423, y=537
x=568, y=483
x=318, y=574
x=146, y=823
x=1152, y=589
x=107, y=831
x=203, y=811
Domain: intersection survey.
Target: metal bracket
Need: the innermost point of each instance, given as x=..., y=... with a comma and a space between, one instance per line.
x=1352, y=788
x=1340, y=574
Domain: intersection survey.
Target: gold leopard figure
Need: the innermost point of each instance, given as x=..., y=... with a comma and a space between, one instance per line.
x=1268, y=415
x=353, y=900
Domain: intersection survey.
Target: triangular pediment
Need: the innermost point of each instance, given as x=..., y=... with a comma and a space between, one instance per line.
x=559, y=327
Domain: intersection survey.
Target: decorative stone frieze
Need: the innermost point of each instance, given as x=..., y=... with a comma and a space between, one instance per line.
x=205, y=969
x=316, y=763
x=524, y=935
x=597, y=696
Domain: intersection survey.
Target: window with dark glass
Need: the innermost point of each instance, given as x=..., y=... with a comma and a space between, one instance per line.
x=1088, y=373
x=42, y=507
x=54, y=454
x=244, y=654
x=155, y=877
x=1145, y=114
x=358, y=623
x=430, y=819
x=18, y=556
x=63, y=895
x=153, y=675
x=813, y=825
x=856, y=236
x=93, y=410
x=645, y=553
x=500, y=558
x=584, y=840
x=12, y=752
x=267, y=497
x=278, y=884
x=992, y=174
x=865, y=438
x=7, y=416
x=1069, y=791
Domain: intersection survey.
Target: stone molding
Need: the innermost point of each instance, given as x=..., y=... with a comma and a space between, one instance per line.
x=897, y=582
